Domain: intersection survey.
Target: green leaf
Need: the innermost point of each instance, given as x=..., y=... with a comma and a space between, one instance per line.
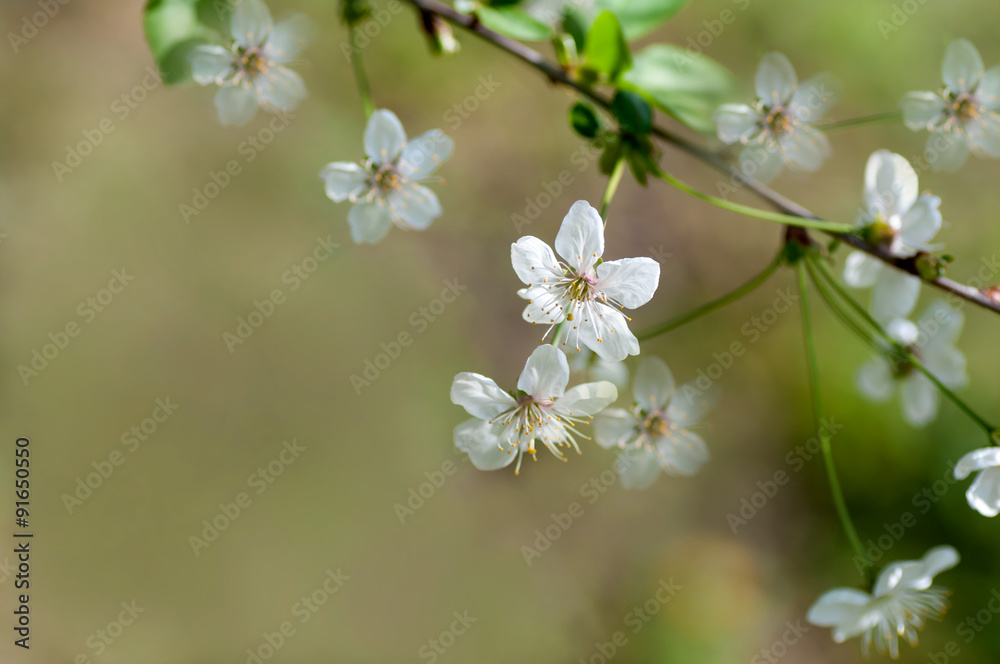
x=688, y=86
x=175, y=27
x=633, y=113
x=639, y=17
x=514, y=23
x=584, y=121
x=606, y=49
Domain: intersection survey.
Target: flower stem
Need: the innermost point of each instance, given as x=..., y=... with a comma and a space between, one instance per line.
x=862, y=121
x=905, y=352
x=609, y=191
x=766, y=215
x=709, y=307
x=362, y=80
x=819, y=419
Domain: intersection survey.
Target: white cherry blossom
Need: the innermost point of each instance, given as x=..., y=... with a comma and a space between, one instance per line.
x=963, y=116
x=932, y=340
x=984, y=494
x=899, y=605
x=385, y=189
x=506, y=425
x=777, y=129
x=251, y=72
x=655, y=433
x=901, y=220
x=581, y=289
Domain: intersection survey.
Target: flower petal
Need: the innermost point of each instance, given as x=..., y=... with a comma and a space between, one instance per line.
x=344, y=180
x=861, y=270
x=210, y=64
x=424, y=154
x=988, y=91
x=280, y=89
x=736, y=122
x=588, y=399
x=981, y=459
x=775, y=80
x=805, y=148
x=629, y=281
x=984, y=494
x=544, y=307
x=476, y=438
x=654, y=384
x=235, y=105
x=890, y=184
x=250, y=22
x=580, y=240
x=384, y=137
x=638, y=469
x=689, y=404
x=814, y=97
x=369, y=222
x=414, y=206
x=480, y=396
x=946, y=152
x=607, y=334
x=894, y=296
x=545, y=373
x=962, y=67
x=840, y=607
x=683, y=453
x=983, y=135
x=920, y=400
x=761, y=162
x=923, y=110
x=915, y=574
x=875, y=380
x=534, y=261
x=615, y=427
x=921, y=222
x=289, y=37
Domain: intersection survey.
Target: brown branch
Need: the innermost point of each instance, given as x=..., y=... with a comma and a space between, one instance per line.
x=555, y=74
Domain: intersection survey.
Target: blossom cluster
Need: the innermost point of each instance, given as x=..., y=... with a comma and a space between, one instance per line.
x=581, y=299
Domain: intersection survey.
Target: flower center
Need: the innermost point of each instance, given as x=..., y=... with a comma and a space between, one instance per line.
x=965, y=106
x=901, y=365
x=252, y=61
x=655, y=423
x=778, y=120
x=388, y=179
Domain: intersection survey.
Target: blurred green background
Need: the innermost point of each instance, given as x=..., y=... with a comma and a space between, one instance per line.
x=334, y=506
